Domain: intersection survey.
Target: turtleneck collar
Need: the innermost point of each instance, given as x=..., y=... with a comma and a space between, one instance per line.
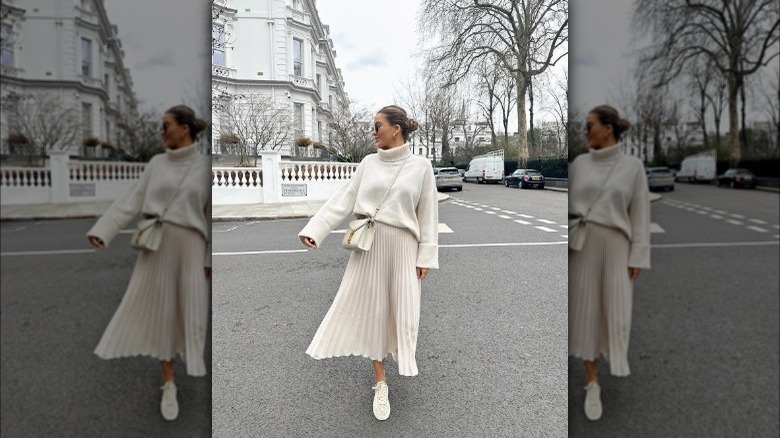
x=394, y=154
x=608, y=153
x=182, y=153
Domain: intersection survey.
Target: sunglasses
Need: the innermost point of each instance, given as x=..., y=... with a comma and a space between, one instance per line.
x=588, y=126
x=377, y=125
x=165, y=126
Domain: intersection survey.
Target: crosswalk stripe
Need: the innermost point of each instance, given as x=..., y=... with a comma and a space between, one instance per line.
x=546, y=221
x=520, y=221
x=549, y=230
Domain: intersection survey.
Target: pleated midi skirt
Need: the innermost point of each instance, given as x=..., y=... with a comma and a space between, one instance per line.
x=600, y=298
x=376, y=310
x=164, y=311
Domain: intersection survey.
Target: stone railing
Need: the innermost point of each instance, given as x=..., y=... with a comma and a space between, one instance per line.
x=302, y=81
x=278, y=181
x=225, y=72
x=65, y=181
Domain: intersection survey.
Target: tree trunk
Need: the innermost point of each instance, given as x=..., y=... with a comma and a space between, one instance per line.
x=522, y=131
x=734, y=150
x=703, y=115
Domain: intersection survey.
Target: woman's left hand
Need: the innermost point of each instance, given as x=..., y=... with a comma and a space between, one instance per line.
x=421, y=273
x=207, y=271
x=633, y=273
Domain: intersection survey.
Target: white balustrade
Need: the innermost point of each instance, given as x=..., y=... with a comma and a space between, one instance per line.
x=236, y=185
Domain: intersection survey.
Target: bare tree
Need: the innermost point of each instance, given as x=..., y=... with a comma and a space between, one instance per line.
x=700, y=77
x=252, y=123
x=556, y=102
x=489, y=76
x=736, y=36
x=44, y=119
x=717, y=99
x=139, y=134
x=524, y=36
x=350, y=131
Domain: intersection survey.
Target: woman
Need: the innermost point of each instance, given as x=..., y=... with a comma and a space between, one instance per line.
x=377, y=308
x=608, y=190
x=165, y=308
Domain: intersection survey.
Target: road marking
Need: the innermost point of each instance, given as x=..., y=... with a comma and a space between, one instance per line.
x=565, y=236
x=520, y=221
x=777, y=236
x=495, y=208
x=655, y=228
x=735, y=222
x=712, y=244
x=705, y=208
x=485, y=245
x=759, y=229
x=223, y=231
x=490, y=212
x=508, y=212
x=281, y=251
x=719, y=211
x=444, y=229
x=716, y=216
x=545, y=221
x=738, y=216
x=525, y=216
x=776, y=226
x=51, y=252
x=758, y=221
x=14, y=230
x=701, y=212
x=503, y=216
x=563, y=226
x=478, y=209
x=549, y=230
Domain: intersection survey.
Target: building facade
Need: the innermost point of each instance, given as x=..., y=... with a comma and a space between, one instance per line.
x=65, y=52
x=273, y=67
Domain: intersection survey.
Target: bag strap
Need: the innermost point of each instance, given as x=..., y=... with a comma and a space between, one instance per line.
x=181, y=181
x=585, y=218
x=388, y=187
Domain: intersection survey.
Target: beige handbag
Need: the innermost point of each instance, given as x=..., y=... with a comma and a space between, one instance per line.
x=360, y=232
x=148, y=233
x=578, y=225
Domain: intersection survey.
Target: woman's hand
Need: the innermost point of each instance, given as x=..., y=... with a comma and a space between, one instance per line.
x=97, y=242
x=207, y=271
x=422, y=273
x=633, y=273
x=308, y=242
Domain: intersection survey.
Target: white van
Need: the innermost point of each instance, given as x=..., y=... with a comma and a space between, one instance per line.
x=486, y=168
x=698, y=168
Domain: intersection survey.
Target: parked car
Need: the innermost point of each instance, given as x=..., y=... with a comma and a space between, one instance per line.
x=524, y=178
x=660, y=178
x=697, y=168
x=737, y=178
x=449, y=178
x=462, y=173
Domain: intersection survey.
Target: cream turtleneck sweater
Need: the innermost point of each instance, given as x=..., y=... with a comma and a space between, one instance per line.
x=412, y=202
x=624, y=203
x=152, y=193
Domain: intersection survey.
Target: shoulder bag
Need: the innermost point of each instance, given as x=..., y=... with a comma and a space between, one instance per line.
x=148, y=233
x=578, y=225
x=360, y=232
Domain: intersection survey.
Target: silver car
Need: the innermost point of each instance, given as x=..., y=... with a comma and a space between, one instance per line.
x=660, y=178
x=449, y=178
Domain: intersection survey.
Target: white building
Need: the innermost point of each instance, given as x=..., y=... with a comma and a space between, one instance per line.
x=68, y=49
x=278, y=49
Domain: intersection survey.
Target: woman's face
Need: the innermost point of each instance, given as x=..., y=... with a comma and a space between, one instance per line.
x=174, y=135
x=383, y=132
x=597, y=135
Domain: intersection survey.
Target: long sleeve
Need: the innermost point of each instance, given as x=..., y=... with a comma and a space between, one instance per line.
x=125, y=207
x=428, y=218
x=335, y=209
x=639, y=215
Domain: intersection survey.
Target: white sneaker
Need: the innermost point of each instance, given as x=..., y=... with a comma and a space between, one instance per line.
x=169, y=406
x=593, y=407
x=381, y=402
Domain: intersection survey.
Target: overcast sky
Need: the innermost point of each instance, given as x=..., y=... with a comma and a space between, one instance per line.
x=375, y=44
x=167, y=49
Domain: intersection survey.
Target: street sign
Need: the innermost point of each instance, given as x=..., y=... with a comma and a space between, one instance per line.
x=82, y=190
x=293, y=189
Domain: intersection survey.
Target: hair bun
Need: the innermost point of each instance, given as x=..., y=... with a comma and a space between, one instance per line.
x=623, y=124
x=413, y=125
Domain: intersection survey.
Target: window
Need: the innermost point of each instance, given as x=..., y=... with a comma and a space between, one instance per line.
x=7, y=37
x=419, y=152
x=297, y=57
x=86, y=119
x=319, y=83
x=298, y=119
x=86, y=57
x=319, y=130
x=218, y=46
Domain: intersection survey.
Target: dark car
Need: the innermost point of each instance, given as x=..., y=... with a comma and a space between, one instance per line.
x=525, y=178
x=449, y=178
x=737, y=178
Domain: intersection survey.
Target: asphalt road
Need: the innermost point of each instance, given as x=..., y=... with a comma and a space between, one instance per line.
x=57, y=296
x=705, y=340
x=492, y=341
